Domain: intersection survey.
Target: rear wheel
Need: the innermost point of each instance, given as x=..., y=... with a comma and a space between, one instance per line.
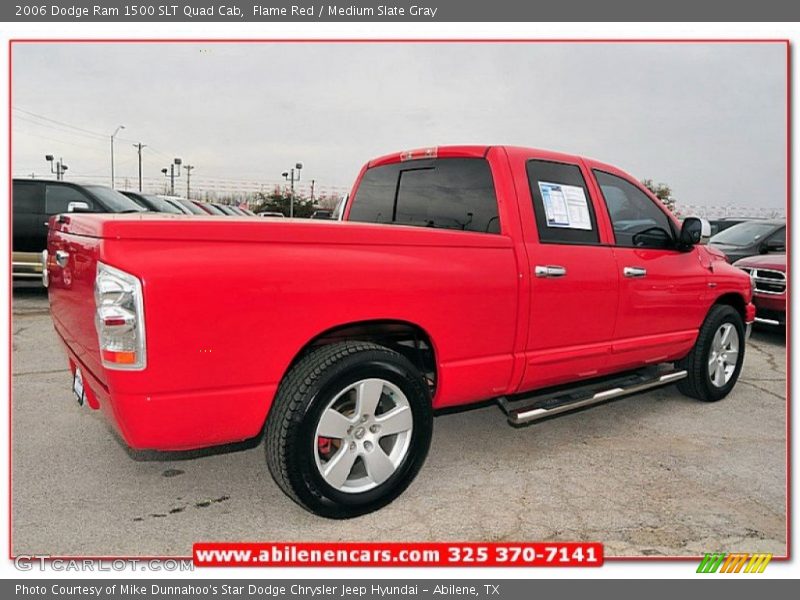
x=349, y=429
x=714, y=364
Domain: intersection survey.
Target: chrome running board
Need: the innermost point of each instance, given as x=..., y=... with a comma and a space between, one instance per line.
x=548, y=404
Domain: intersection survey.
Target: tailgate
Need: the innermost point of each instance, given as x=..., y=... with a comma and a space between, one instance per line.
x=72, y=266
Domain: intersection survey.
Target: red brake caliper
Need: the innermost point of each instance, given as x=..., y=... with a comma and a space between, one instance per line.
x=325, y=446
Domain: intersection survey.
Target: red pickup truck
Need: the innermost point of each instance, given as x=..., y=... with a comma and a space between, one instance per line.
x=459, y=274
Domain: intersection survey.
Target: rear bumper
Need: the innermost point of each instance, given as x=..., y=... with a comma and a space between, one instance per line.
x=26, y=265
x=178, y=421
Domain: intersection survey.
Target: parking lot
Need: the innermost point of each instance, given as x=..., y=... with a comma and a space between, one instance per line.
x=653, y=474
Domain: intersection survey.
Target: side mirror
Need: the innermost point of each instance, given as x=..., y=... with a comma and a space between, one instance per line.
x=78, y=207
x=694, y=231
x=773, y=246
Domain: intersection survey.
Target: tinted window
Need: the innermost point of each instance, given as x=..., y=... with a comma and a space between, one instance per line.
x=561, y=203
x=637, y=221
x=58, y=197
x=137, y=199
x=113, y=200
x=178, y=206
x=162, y=205
x=190, y=206
x=744, y=234
x=446, y=193
x=374, y=200
x=779, y=236
x=217, y=209
x=27, y=199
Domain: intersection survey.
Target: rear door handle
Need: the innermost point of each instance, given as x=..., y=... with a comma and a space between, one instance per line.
x=634, y=272
x=552, y=271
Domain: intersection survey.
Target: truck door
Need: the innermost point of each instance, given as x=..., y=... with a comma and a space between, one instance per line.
x=662, y=289
x=574, y=281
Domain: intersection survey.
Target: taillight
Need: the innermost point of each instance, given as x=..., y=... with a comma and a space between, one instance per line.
x=119, y=319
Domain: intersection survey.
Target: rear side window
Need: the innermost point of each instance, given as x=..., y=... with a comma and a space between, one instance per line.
x=444, y=193
x=561, y=203
x=638, y=222
x=58, y=197
x=27, y=198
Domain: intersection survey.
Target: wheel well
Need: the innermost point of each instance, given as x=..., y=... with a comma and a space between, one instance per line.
x=405, y=338
x=733, y=300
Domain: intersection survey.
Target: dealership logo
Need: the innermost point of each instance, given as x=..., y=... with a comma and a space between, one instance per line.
x=722, y=562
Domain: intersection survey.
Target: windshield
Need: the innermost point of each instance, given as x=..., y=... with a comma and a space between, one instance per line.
x=163, y=206
x=214, y=209
x=191, y=206
x=113, y=200
x=743, y=234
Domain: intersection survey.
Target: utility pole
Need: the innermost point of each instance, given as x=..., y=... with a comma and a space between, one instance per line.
x=139, y=147
x=188, y=179
x=116, y=131
x=312, y=191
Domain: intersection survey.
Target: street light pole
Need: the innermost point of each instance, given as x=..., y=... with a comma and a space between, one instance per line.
x=60, y=167
x=176, y=162
x=116, y=131
x=291, y=179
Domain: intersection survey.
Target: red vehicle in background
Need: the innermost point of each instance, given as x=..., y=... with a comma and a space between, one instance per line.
x=546, y=281
x=768, y=274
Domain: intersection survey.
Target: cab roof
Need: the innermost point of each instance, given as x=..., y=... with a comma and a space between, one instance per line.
x=480, y=151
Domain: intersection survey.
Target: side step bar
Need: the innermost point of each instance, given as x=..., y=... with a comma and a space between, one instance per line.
x=547, y=404
x=763, y=321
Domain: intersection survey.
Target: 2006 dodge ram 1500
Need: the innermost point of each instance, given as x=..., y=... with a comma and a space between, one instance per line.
x=546, y=281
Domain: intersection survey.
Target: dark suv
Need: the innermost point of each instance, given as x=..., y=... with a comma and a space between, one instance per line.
x=36, y=200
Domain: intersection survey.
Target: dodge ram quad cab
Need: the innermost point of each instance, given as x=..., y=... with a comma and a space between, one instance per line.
x=545, y=281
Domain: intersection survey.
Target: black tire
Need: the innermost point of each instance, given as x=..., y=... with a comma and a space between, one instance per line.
x=698, y=384
x=302, y=397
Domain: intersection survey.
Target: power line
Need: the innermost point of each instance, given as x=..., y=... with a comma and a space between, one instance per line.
x=58, y=128
x=62, y=123
x=83, y=130
x=49, y=138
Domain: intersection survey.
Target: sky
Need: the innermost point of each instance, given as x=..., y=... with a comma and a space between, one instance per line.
x=707, y=119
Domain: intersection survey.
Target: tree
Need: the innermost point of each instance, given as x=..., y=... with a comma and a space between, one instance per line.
x=661, y=191
x=279, y=200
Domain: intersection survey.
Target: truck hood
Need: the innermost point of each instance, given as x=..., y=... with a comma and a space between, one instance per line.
x=776, y=262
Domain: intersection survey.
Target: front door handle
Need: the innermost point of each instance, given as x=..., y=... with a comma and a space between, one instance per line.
x=553, y=271
x=634, y=272
x=61, y=258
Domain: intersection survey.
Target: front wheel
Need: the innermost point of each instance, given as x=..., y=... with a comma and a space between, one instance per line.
x=714, y=364
x=349, y=429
